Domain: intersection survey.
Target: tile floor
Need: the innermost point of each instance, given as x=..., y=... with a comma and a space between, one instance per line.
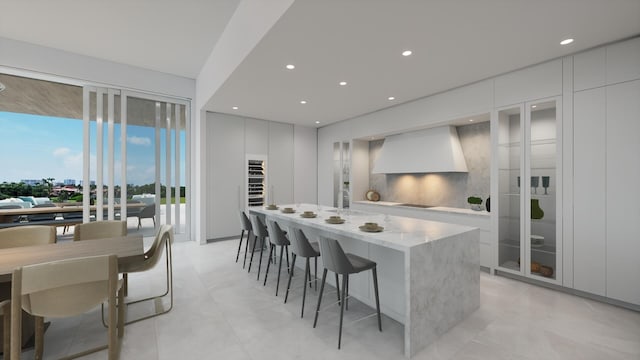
x=221, y=312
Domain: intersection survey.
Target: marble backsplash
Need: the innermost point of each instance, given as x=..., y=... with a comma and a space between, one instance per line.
x=440, y=189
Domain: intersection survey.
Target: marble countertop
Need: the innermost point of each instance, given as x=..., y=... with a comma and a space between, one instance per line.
x=435, y=208
x=400, y=233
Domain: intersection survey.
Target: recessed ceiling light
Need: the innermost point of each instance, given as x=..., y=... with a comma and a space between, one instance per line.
x=290, y=66
x=343, y=83
x=407, y=53
x=533, y=106
x=317, y=122
x=470, y=120
x=566, y=41
x=235, y=108
x=303, y=101
x=391, y=98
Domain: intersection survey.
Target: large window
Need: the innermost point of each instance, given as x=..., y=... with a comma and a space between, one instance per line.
x=95, y=148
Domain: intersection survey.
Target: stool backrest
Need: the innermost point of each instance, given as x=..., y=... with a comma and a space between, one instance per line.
x=277, y=235
x=333, y=257
x=301, y=245
x=258, y=227
x=244, y=221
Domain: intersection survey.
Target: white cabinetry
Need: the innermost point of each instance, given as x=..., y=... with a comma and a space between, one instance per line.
x=280, y=169
x=231, y=140
x=623, y=191
x=225, y=174
x=589, y=211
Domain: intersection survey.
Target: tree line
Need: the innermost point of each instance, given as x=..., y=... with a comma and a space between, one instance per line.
x=44, y=189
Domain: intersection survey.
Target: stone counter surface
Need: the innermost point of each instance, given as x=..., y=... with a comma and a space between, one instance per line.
x=434, y=209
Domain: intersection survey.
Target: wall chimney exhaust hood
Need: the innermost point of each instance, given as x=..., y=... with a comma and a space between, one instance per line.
x=425, y=151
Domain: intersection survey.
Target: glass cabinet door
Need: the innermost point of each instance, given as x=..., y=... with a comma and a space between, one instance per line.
x=529, y=179
x=543, y=158
x=510, y=181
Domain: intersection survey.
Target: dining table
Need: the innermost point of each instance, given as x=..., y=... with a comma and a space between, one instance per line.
x=12, y=258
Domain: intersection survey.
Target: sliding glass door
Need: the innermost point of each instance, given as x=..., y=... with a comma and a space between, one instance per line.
x=136, y=159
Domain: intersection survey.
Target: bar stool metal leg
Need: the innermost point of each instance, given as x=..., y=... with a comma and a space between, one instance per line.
x=345, y=281
x=280, y=268
x=246, y=247
x=293, y=264
x=261, y=256
x=324, y=278
x=253, y=251
x=240, y=245
x=375, y=289
x=266, y=274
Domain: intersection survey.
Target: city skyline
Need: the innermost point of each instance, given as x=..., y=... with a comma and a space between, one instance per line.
x=41, y=147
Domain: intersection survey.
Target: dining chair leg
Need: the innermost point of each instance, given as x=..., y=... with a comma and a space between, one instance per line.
x=240, y=245
x=261, y=256
x=253, y=251
x=316, y=272
x=121, y=316
x=266, y=274
x=39, y=336
x=304, y=288
x=375, y=289
x=293, y=263
x=308, y=271
x=246, y=247
x=324, y=278
x=280, y=269
x=6, y=330
x=345, y=281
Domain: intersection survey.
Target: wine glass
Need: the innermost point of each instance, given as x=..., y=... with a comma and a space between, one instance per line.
x=534, y=183
x=545, y=183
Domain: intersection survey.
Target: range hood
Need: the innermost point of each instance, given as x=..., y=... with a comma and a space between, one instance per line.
x=425, y=151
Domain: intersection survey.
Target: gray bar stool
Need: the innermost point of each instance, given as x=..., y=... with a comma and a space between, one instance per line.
x=245, y=225
x=303, y=248
x=335, y=259
x=277, y=238
x=260, y=233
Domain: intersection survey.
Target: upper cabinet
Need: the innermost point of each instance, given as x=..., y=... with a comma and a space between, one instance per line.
x=607, y=65
x=529, y=187
x=535, y=82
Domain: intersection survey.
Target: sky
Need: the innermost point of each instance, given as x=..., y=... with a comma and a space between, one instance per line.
x=37, y=147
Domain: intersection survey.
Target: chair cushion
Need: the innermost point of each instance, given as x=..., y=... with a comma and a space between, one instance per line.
x=359, y=263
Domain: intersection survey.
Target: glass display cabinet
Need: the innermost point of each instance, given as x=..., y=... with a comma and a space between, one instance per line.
x=529, y=186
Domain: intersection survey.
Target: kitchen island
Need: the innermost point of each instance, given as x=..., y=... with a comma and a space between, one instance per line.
x=428, y=271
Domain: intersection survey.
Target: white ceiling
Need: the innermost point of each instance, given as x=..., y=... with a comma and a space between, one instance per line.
x=170, y=36
x=454, y=42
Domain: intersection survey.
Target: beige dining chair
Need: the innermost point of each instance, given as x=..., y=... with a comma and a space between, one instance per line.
x=147, y=261
x=66, y=288
x=5, y=311
x=19, y=236
x=27, y=235
x=100, y=230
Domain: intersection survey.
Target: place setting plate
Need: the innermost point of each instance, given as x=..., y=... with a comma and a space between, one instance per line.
x=371, y=227
x=336, y=220
x=288, y=210
x=308, y=215
x=271, y=207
